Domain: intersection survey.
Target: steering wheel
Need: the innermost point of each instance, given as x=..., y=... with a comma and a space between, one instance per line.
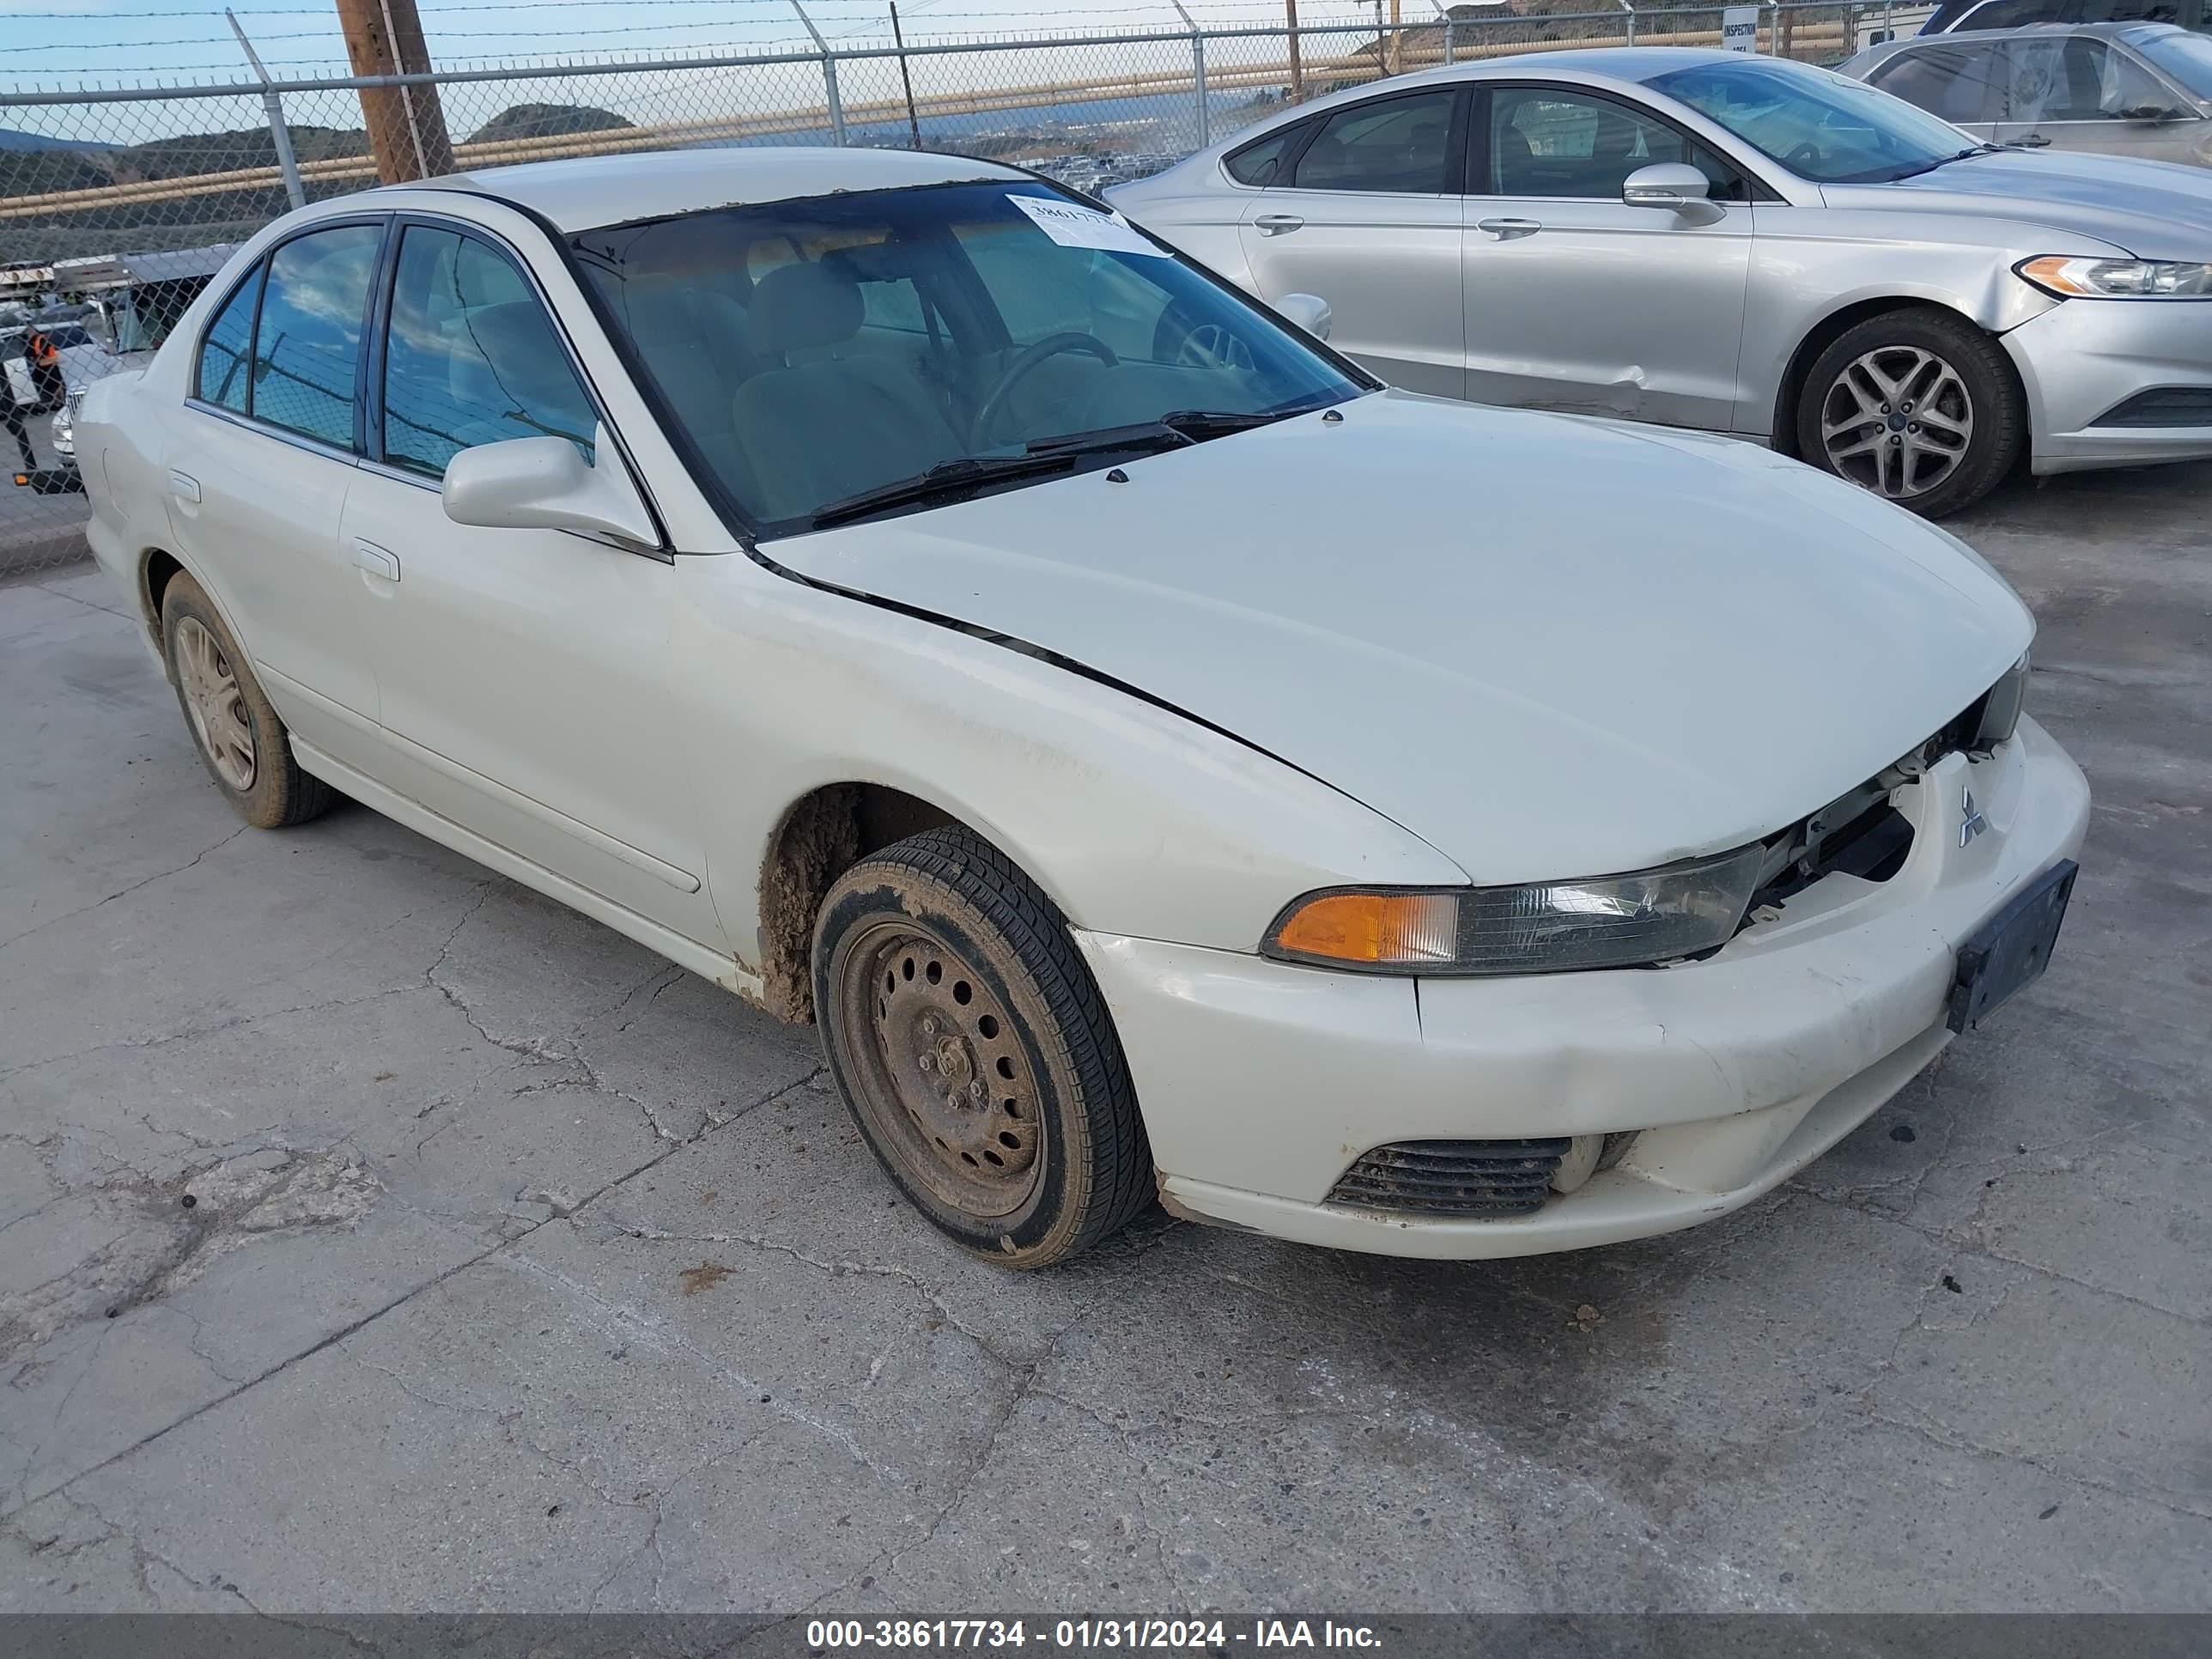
x=1020, y=370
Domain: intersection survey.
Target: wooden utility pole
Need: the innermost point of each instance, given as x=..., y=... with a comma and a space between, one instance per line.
x=1297, y=68
x=913, y=122
x=1397, y=41
x=406, y=125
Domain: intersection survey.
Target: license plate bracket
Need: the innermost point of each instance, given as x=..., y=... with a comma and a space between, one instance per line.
x=2009, y=952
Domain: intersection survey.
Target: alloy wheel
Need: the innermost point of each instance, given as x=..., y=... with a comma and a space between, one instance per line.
x=1897, y=420
x=217, y=706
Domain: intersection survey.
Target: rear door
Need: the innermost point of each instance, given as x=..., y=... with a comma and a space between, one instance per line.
x=1575, y=300
x=2077, y=92
x=1367, y=215
x=1962, y=80
x=258, y=464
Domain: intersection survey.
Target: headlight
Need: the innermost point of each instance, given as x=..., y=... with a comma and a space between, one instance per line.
x=2001, y=708
x=2116, y=279
x=1544, y=927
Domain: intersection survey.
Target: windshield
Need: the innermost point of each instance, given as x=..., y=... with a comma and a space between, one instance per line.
x=822, y=351
x=2187, y=56
x=1821, y=126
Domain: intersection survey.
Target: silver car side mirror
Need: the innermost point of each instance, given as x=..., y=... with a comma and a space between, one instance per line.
x=1308, y=311
x=1675, y=186
x=546, y=484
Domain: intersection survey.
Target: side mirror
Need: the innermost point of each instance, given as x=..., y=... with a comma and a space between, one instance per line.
x=546, y=484
x=1308, y=311
x=1675, y=186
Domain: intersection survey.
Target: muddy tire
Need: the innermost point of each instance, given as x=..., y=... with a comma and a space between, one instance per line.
x=1917, y=406
x=240, y=740
x=972, y=1047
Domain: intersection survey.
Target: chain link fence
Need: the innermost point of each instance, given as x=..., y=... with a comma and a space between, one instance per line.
x=117, y=205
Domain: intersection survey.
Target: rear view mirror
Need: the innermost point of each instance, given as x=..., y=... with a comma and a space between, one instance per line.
x=1308, y=311
x=546, y=484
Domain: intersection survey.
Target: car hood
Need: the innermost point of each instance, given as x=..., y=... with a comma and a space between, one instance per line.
x=1549, y=646
x=2153, y=209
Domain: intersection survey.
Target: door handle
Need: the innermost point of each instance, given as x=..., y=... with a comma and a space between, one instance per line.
x=377, y=561
x=184, y=486
x=2033, y=141
x=1276, y=224
x=1506, y=229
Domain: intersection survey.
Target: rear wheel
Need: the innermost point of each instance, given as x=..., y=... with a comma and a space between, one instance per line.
x=242, y=741
x=1918, y=406
x=975, y=1053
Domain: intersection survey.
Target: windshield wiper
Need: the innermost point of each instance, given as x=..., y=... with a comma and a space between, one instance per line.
x=944, y=480
x=1941, y=161
x=1172, y=430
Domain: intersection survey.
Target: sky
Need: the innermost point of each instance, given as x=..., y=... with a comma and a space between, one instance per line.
x=55, y=44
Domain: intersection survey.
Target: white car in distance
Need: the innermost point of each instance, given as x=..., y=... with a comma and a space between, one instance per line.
x=1159, y=757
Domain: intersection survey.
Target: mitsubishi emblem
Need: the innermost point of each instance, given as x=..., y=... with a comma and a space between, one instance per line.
x=1974, y=824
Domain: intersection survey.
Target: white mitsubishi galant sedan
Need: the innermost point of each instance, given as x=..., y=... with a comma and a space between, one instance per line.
x=1159, y=757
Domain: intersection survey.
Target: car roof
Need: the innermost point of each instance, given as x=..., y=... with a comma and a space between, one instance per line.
x=604, y=190
x=2137, y=30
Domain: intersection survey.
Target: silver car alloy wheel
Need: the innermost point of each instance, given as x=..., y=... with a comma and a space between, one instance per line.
x=216, y=705
x=1897, y=420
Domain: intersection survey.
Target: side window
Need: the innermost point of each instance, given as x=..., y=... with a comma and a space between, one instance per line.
x=2011, y=14
x=2076, y=78
x=227, y=349
x=472, y=357
x=892, y=303
x=1256, y=164
x=306, y=350
x=1962, y=84
x=1544, y=142
x=1398, y=145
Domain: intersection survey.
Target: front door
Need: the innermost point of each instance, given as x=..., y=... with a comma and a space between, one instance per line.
x=1368, y=219
x=2076, y=92
x=524, y=672
x=259, y=465
x=1577, y=301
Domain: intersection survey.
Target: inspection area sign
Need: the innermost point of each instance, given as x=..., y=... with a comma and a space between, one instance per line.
x=1740, y=29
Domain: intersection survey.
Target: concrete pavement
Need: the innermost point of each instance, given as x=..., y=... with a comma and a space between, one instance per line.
x=377, y=1236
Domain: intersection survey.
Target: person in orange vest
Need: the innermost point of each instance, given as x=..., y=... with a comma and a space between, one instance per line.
x=48, y=389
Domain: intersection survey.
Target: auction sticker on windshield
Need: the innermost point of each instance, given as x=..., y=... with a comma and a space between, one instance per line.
x=1072, y=225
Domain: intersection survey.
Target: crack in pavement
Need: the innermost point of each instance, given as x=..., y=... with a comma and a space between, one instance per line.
x=124, y=893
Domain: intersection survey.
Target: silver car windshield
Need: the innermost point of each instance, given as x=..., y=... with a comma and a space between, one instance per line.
x=883, y=351
x=1821, y=126
x=2185, y=56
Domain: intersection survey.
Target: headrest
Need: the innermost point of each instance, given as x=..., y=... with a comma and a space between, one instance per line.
x=798, y=306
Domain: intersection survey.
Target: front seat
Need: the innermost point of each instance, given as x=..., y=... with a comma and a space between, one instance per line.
x=826, y=426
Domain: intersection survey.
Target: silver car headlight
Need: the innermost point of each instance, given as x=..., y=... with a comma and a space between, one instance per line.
x=2001, y=708
x=2071, y=278
x=1540, y=928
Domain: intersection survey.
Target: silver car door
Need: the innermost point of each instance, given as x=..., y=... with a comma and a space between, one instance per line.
x=1962, y=81
x=2075, y=92
x=1368, y=217
x=1577, y=301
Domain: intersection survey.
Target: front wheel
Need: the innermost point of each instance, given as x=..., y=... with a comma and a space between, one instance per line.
x=975, y=1053
x=1918, y=406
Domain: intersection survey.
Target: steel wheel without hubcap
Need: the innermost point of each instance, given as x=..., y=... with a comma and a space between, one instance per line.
x=217, y=706
x=1897, y=420
x=943, y=1077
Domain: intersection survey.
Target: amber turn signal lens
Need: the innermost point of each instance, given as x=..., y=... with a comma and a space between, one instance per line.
x=1379, y=928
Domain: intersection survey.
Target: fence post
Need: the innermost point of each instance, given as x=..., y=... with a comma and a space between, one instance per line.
x=1774, y=29
x=272, y=102
x=1629, y=7
x=1444, y=17
x=829, y=76
x=1198, y=70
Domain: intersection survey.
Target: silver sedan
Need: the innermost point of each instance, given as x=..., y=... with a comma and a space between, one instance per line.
x=1710, y=240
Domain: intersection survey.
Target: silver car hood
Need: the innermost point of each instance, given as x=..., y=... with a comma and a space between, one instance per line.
x=2153, y=209
x=1545, y=644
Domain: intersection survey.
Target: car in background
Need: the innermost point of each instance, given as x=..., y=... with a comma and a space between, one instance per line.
x=1707, y=238
x=1157, y=756
x=1952, y=16
x=2141, y=89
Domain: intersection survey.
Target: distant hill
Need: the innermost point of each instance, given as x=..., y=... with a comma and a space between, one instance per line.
x=15, y=138
x=547, y=121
